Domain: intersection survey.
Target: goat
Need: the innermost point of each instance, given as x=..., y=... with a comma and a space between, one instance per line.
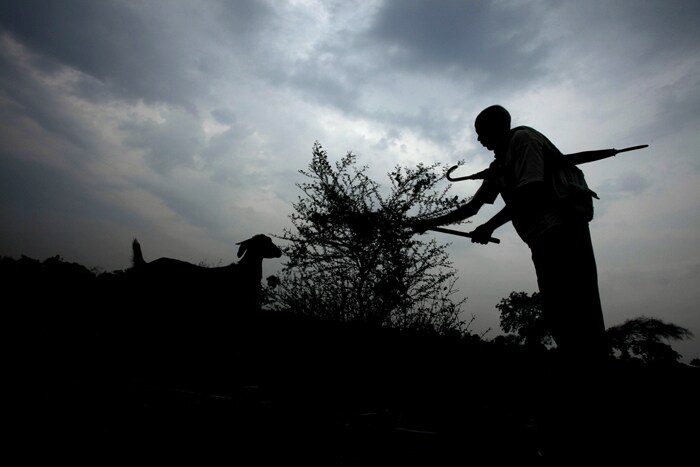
x=181, y=277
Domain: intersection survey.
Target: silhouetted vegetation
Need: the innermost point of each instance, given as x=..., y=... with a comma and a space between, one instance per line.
x=352, y=256
x=521, y=315
x=104, y=368
x=642, y=338
x=639, y=338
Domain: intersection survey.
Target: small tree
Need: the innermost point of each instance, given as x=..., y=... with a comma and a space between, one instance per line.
x=352, y=256
x=642, y=337
x=521, y=314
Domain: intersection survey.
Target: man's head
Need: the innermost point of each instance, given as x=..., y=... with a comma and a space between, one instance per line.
x=492, y=127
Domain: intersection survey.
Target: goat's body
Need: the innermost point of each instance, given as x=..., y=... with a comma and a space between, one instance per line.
x=171, y=266
x=185, y=318
x=237, y=283
x=174, y=267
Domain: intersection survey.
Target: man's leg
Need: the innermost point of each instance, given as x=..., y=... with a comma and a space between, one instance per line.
x=568, y=282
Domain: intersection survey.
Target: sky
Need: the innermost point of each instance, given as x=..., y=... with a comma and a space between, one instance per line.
x=185, y=124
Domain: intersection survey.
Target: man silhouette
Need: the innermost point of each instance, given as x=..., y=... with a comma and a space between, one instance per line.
x=559, y=240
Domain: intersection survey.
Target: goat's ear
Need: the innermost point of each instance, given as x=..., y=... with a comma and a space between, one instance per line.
x=243, y=247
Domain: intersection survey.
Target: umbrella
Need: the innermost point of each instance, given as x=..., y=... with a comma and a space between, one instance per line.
x=592, y=156
x=575, y=159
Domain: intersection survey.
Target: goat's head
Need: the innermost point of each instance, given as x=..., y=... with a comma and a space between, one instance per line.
x=260, y=246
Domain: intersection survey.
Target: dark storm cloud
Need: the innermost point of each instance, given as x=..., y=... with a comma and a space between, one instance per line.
x=158, y=52
x=26, y=97
x=224, y=116
x=243, y=18
x=404, y=45
x=328, y=81
x=135, y=50
x=196, y=203
x=658, y=29
x=490, y=41
x=624, y=184
x=679, y=104
x=109, y=41
x=174, y=142
x=634, y=40
x=40, y=190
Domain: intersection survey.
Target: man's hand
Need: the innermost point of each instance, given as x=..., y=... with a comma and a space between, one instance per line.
x=482, y=234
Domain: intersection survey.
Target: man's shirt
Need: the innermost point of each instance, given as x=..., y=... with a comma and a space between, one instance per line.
x=523, y=163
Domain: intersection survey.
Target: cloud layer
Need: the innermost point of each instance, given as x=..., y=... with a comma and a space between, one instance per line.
x=186, y=123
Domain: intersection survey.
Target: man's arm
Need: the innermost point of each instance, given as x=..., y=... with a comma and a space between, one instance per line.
x=463, y=212
x=484, y=232
x=528, y=202
x=486, y=194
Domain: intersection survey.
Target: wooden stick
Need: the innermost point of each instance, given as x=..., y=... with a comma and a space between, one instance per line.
x=460, y=233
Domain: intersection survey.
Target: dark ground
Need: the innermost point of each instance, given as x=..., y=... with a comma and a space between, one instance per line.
x=102, y=369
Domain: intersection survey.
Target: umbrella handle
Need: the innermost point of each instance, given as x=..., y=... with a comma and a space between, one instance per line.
x=477, y=176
